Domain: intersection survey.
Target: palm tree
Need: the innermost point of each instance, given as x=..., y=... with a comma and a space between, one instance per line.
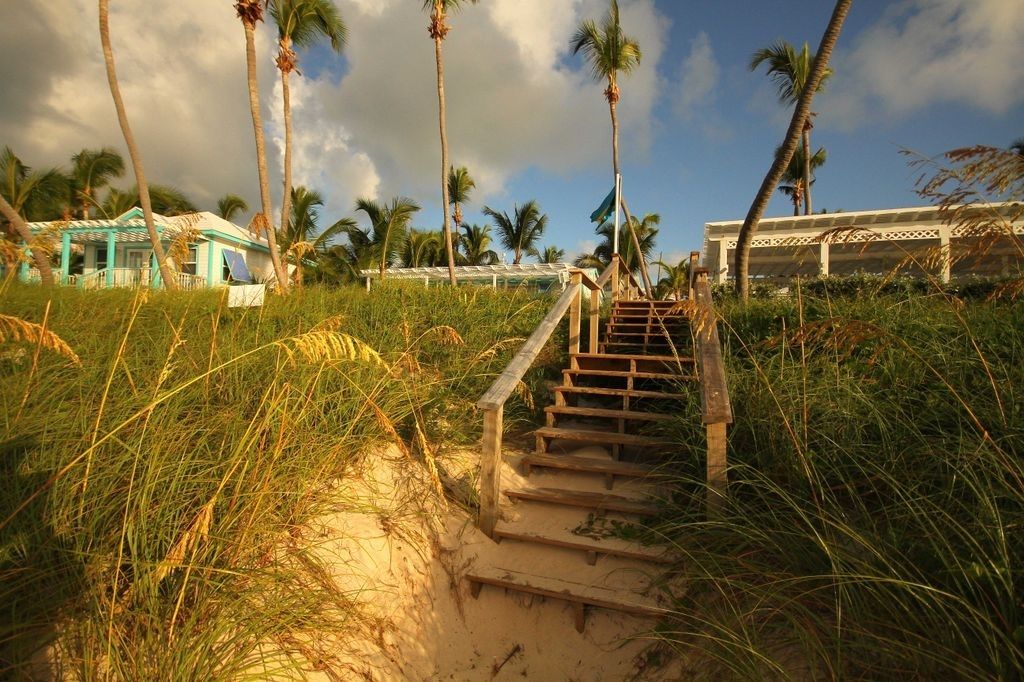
x=790, y=71
x=646, y=231
x=133, y=151
x=438, y=29
x=302, y=236
x=801, y=114
x=93, y=169
x=460, y=184
x=230, y=205
x=794, y=175
x=423, y=248
x=29, y=195
x=475, y=241
x=389, y=228
x=520, y=232
x=251, y=13
x=164, y=199
x=550, y=254
x=300, y=23
x=609, y=51
x=675, y=280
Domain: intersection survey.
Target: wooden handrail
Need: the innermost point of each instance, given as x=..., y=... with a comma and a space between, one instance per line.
x=716, y=408
x=507, y=381
x=492, y=402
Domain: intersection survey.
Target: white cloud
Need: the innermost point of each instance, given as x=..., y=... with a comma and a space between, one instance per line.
x=699, y=76
x=924, y=52
x=366, y=126
x=696, y=92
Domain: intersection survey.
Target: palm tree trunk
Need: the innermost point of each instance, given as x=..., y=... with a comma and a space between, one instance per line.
x=625, y=209
x=449, y=248
x=40, y=259
x=286, y=199
x=782, y=161
x=807, y=170
x=86, y=201
x=140, y=177
x=261, y=157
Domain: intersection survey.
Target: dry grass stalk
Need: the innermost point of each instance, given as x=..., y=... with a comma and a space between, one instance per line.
x=327, y=346
x=491, y=351
x=330, y=324
x=839, y=336
x=182, y=239
x=524, y=393
x=14, y=330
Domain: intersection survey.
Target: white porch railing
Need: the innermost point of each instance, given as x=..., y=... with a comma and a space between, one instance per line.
x=135, y=277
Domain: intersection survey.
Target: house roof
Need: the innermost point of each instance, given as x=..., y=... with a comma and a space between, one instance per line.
x=469, y=272
x=131, y=227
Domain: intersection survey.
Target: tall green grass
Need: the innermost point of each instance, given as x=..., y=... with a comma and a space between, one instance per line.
x=154, y=499
x=876, y=525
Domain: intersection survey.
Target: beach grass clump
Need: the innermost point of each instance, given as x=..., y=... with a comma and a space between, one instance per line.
x=876, y=522
x=157, y=481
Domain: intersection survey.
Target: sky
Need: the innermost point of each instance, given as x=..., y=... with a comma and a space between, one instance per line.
x=698, y=128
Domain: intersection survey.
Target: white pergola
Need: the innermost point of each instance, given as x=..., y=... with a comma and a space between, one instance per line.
x=560, y=272
x=912, y=240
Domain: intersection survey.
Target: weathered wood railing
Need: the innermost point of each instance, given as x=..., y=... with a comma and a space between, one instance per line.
x=493, y=401
x=624, y=286
x=716, y=409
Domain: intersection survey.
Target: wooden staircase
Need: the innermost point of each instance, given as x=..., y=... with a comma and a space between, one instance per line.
x=569, y=532
x=595, y=472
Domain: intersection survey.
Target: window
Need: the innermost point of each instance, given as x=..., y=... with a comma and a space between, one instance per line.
x=188, y=266
x=101, y=257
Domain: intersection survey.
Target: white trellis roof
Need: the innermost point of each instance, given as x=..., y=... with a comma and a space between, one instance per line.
x=560, y=271
x=876, y=241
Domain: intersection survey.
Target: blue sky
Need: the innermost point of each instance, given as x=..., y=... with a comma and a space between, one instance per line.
x=691, y=176
x=698, y=128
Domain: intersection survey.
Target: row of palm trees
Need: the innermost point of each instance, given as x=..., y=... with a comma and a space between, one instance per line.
x=388, y=238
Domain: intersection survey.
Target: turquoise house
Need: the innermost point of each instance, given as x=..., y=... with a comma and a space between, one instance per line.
x=97, y=254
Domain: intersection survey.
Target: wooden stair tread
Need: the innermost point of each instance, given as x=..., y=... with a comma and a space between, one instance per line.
x=564, y=537
x=634, y=356
x=625, y=373
x=585, y=499
x=611, y=414
x=590, y=464
x=588, y=594
x=621, y=392
x=597, y=436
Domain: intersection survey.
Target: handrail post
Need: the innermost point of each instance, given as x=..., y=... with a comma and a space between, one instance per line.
x=715, y=404
x=615, y=277
x=718, y=465
x=595, y=310
x=694, y=262
x=574, y=316
x=490, y=470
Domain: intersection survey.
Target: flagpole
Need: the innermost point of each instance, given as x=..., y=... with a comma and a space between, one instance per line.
x=618, y=202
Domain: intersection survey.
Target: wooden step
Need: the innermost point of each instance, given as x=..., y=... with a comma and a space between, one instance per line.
x=633, y=322
x=628, y=415
x=624, y=374
x=521, y=531
x=671, y=359
x=645, y=304
x=588, y=500
x=587, y=464
x=590, y=436
x=618, y=392
x=581, y=595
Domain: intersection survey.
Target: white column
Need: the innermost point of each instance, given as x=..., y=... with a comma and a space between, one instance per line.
x=823, y=256
x=722, y=271
x=945, y=253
